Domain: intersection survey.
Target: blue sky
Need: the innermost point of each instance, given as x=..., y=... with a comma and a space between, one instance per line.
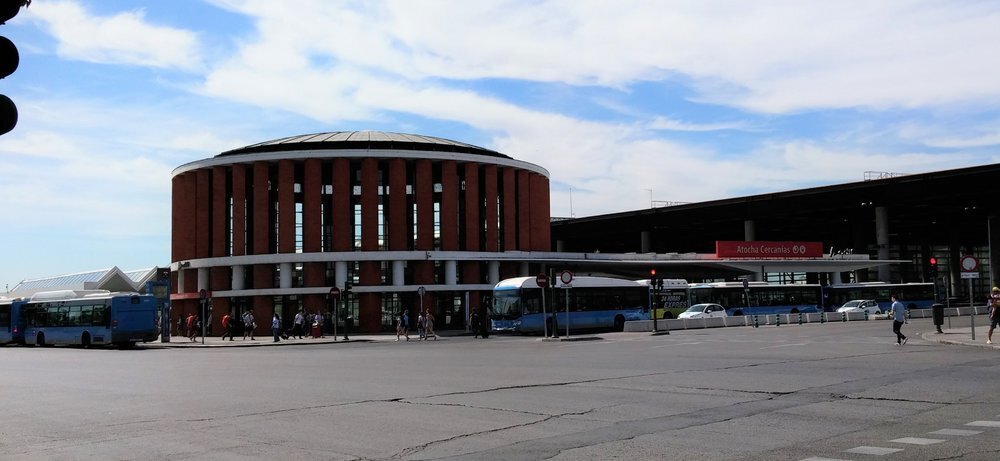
x=623, y=102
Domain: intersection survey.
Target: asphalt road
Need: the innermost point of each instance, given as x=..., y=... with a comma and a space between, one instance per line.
x=794, y=392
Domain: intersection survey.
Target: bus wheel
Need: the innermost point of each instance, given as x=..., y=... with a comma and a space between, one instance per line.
x=619, y=323
x=794, y=310
x=738, y=312
x=85, y=340
x=668, y=315
x=40, y=340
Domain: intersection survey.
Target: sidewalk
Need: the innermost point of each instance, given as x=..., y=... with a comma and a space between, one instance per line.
x=960, y=333
x=260, y=340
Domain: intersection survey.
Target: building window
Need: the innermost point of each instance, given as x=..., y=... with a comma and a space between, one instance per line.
x=298, y=227
x=357, y=226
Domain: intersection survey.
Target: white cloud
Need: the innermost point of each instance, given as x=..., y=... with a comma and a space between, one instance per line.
x=124, y=38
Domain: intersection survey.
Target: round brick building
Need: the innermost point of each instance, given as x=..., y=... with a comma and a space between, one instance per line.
x=275, y=226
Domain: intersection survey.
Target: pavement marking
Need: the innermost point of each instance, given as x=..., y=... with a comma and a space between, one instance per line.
x=918, y=441
x=961, y=432
x=984, y=423
x=816, y=458
x=784, y=345
x=878, y=451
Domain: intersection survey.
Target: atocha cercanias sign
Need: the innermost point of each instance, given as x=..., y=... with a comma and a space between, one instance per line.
x=768, y=250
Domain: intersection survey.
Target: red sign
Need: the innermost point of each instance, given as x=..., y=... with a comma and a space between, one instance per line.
x=334, y=292
x=542, y=281
x=768, y=250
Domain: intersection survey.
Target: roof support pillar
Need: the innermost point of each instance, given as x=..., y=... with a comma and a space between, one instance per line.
x=882, y=240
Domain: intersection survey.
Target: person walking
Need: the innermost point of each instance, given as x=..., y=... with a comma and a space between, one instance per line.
x=227, y=326
x=192, y=329
x=401, y=328
x=298, y=323
x=276, y=327
x=994, y=304
x=429, y=326
x=249, y=324
x=420, y=325
x=898, y=319
x=474, y=322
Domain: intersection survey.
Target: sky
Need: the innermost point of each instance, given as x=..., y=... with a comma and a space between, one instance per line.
x=628, y=104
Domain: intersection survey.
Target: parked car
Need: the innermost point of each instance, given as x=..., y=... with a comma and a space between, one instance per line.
x=861, y=305
x=698, y=311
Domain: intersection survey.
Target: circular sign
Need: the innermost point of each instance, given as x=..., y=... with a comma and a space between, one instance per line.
x=202, y=293
x=541, y=280
x=334, y=292
x=969, y=264
x=566, y=277
x=421, y=291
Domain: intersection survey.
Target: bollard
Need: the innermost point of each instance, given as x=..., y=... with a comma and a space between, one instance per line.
x=755, y=321
x=866, y=315
x=843, y=316
x=822, y=317
x=777, y=320
x=800, y=318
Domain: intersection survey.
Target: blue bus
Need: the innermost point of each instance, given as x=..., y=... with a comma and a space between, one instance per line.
x=12, y=321
x=758, y=297
x=71, y=318
x=594, y=303
x=913, y=295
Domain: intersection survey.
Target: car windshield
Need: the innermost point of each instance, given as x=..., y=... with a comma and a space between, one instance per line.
x=697, y=308
x=852, y=303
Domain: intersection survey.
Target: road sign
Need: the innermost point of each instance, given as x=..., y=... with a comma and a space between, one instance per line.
x=566, y=277
x=969, y=264
x=202, y=294
x=334, y=292
x=421, y=291
x=541, y=280
x=970, y=275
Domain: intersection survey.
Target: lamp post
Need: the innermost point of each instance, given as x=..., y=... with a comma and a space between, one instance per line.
x=202, y=299
x=332, y=303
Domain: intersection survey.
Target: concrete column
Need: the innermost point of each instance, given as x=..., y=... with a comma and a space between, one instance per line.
x=523, y=270
x=285, y=275
x=494, y=272
x=882, y=240
x=450, y=273
x=398, y=273
x=238, y=276
x=203, y=274
x=835, y=278
x=749, y=230
x=340, y=273
x=560, y=246
x=180, y=281
x=644, y=242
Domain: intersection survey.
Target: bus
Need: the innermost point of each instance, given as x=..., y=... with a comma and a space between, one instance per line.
x=672, y=300
x=594, y=303
x=758, y=297
x=913, y=295
x=73, y=318
x=11, y=321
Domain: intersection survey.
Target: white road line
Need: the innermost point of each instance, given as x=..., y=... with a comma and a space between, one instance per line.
x=816, y=458
x=961, y=432
x=918, y=441
x=984, y=423
x=783, y=345
x=878, y=451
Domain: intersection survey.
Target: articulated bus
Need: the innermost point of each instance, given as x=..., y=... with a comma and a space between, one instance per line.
x=594, y=303
x=758, y=297
x=913, y=295
x=12, y=321
x=71, y=318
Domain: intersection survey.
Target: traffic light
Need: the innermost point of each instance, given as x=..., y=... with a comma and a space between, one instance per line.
x=932, y=267
x=9, y=59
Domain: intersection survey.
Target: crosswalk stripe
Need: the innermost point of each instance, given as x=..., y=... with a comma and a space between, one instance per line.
x=984, y=423
x=960, y=432
x=879, y=451
x=918, y=441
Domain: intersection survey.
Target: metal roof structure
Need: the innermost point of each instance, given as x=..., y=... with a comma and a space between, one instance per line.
x=111, y=279
x=371, y=140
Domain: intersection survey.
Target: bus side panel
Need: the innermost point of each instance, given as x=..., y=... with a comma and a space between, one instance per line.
x=133, y=322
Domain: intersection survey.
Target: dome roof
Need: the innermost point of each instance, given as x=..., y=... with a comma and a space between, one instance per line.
x=373, y=140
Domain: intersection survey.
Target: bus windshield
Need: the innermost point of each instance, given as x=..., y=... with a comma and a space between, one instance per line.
x=506, y=305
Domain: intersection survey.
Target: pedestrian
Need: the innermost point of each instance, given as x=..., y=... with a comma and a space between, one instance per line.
x=318, y=325
x=297, y=324
x=994, y=304
x=898, y=319
x=420, y=324
x=401, y=328
x=429, y=326
x=249, y=323
x=191, y=324
x=276, y=327
x=227, y=326
x=474, y=322
x=180, y=325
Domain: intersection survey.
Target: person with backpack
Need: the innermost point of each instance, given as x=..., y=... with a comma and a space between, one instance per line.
x=227, y=326
x=993, y=302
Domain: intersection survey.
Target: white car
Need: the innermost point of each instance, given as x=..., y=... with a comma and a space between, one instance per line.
x=861, y=305
x=699, y=311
